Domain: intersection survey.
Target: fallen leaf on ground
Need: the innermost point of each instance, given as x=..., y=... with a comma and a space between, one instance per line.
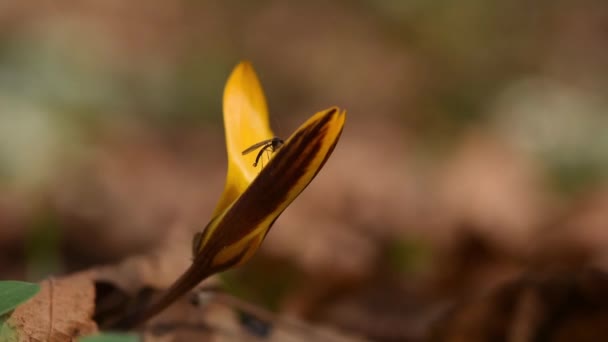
x=62, y=310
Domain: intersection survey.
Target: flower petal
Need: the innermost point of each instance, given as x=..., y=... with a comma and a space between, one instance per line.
x=245, y=123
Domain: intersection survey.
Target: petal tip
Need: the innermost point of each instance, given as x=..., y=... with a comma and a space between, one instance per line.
x=339, y=114
x=335, y=110
x=244, y=68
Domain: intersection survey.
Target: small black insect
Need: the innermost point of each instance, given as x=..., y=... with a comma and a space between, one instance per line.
x=266, y=145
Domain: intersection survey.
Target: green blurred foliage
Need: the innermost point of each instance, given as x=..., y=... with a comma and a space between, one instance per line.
x=13, y=293
x=43, y=248
x=110, y=337
x=264, y=281
x=408, y=257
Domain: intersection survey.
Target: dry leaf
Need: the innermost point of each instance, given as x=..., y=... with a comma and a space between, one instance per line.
x=61, y=311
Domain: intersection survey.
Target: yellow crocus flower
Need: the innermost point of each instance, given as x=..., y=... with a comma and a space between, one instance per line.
x=253, y=197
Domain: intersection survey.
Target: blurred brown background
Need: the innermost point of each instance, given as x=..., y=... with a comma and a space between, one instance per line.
x=474, y=153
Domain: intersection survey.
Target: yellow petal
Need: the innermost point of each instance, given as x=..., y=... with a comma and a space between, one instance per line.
x=245, y=123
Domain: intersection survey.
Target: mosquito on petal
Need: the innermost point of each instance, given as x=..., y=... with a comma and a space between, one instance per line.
x=271, y=145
